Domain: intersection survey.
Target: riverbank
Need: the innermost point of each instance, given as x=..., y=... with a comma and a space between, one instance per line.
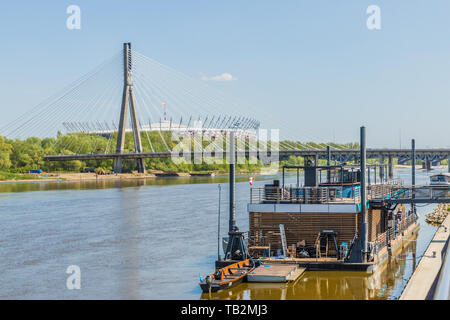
x=72, y=177
x=86, y=176
x=403, y=166
x=439, y=214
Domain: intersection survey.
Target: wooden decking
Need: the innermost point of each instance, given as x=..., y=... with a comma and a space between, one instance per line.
x=323, y=264
x=275, y=273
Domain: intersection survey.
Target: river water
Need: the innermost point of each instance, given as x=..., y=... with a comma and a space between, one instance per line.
x=151, y=239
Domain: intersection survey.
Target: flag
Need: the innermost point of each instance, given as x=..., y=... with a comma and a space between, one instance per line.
x=163, y=104
x=250, y=180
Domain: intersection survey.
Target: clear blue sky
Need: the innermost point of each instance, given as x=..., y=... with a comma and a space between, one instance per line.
x=313, y=63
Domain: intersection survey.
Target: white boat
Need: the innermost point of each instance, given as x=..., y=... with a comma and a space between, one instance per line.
x=440, y=179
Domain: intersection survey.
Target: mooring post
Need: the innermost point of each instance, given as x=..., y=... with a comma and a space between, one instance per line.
x=232, y=158
x=390, y=167
x=328, y=163
x=363, y=229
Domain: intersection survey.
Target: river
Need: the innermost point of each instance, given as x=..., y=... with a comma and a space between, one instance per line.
x=151, y=239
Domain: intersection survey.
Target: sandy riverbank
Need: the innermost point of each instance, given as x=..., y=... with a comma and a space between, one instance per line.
x=399, y=166
x=92, y=176
x=81, y=177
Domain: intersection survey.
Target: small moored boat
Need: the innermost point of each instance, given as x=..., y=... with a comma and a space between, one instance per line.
x=228, y=276
x=441, y=179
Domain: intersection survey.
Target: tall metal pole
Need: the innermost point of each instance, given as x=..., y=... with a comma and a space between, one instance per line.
x=413, y=162
x=328, y=163
x=219, y=257
x=413, y=174
x=363, y=194
x=232, y=221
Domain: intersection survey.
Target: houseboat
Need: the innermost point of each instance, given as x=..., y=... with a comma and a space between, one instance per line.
x=316, y=222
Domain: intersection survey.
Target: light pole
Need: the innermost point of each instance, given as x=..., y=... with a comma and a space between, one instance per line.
x=219, y=258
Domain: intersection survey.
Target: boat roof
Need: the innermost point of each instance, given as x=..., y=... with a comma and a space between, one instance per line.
x=447, y=174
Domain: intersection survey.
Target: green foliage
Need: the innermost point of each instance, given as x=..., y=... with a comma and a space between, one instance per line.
x=20, y=156
x=5, y=151
x=15, y=176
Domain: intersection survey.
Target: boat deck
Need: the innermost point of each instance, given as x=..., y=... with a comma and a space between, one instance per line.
x=275, y=273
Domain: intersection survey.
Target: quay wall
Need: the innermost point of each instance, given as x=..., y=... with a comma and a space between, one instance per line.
x=421, y=284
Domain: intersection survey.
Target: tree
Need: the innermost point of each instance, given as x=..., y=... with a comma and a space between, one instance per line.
x=5, y=151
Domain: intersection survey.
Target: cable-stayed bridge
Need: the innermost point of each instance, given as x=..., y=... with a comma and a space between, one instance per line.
x=131, y=106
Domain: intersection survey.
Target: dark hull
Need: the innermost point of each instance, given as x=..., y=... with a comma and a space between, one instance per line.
x=221, y=286
x=229, y=275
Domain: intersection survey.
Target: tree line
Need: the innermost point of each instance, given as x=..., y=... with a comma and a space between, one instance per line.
x=20, y=156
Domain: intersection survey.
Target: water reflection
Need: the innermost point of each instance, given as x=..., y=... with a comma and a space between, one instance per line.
x=129, y=284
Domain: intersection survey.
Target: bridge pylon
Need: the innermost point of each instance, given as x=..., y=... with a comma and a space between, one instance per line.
x=128, y=99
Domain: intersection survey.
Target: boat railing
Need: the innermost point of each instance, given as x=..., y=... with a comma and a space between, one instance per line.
x=409, y=220
x=288, y=194
x=326, y=194
x=383, y=239
x=383, y=190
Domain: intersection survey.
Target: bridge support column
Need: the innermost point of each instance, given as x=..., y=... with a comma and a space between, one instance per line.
x=381, y=167
x=391, y=167
x=428, y=165
x=128, y=99
x=328, y=164
x=117, y=165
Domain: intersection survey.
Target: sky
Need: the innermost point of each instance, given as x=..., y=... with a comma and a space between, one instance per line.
x=311, y=67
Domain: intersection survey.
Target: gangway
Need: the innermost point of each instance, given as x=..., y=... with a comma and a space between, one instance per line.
x=399, y=194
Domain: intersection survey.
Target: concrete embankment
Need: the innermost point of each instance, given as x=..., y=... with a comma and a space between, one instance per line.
x=422, y=283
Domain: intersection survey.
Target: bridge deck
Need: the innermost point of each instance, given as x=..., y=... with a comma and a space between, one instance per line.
x=430, y=154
